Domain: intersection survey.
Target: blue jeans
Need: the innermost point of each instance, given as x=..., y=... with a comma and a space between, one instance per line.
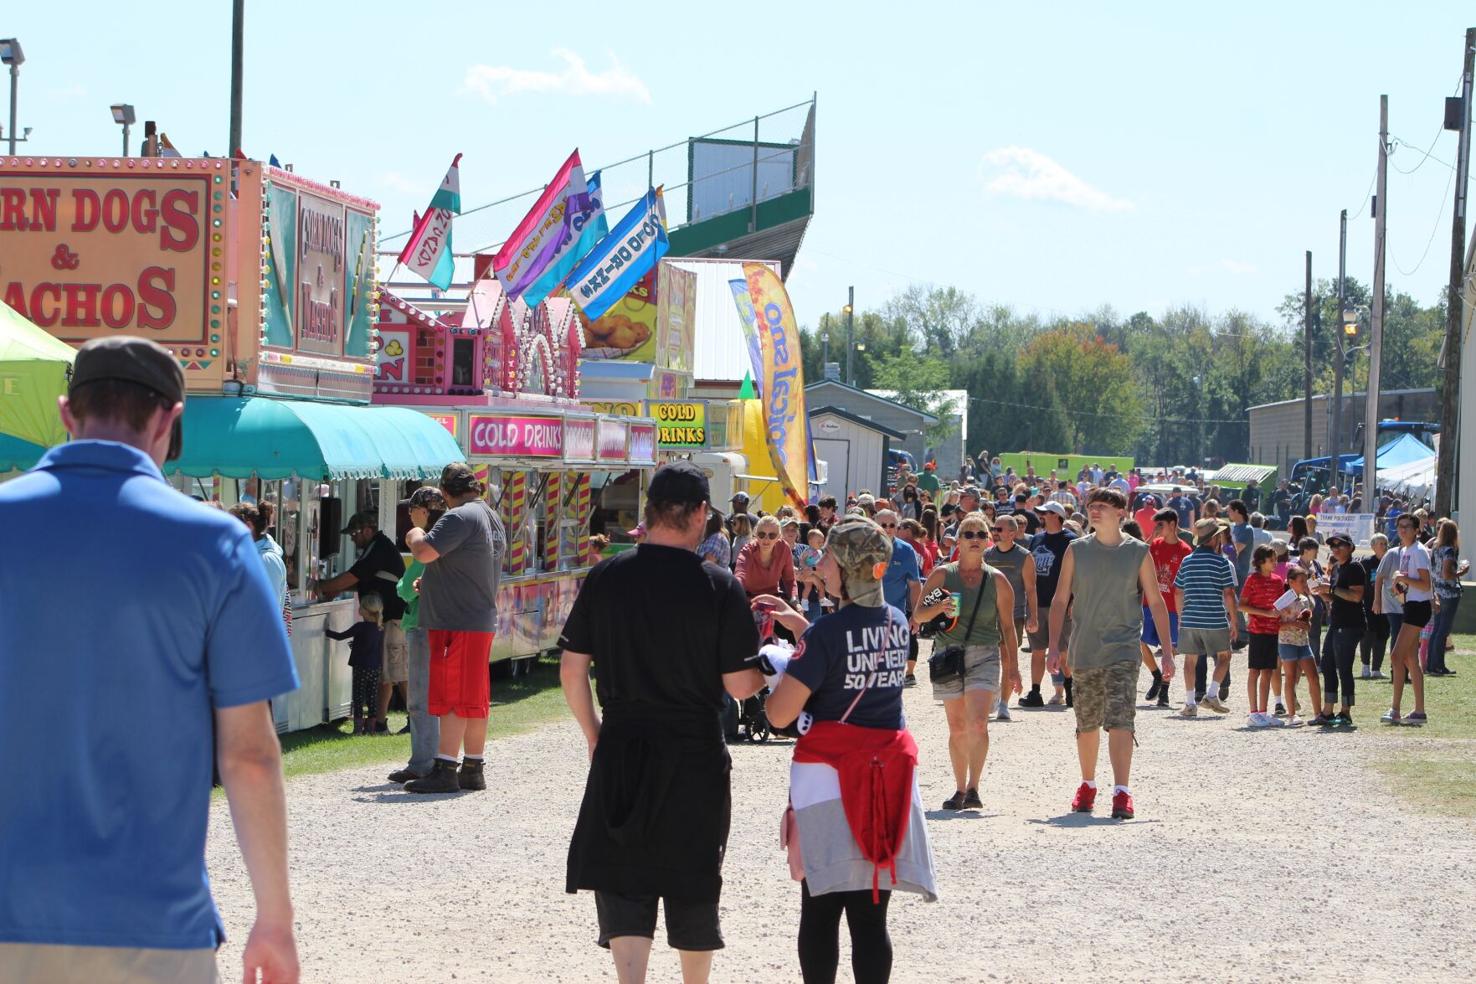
x=1440, y=632
x=425, y=728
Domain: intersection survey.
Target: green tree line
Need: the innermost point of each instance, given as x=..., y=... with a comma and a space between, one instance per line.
x=1172, y=389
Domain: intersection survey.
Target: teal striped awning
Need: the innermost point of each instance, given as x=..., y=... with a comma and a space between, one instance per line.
x=238, y=437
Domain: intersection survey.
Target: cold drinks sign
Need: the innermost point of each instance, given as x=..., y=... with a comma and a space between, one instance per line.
x=515, y=437
x=131, y=251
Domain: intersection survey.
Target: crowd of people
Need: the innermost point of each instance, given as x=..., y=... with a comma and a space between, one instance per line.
x=1094, y=582
x=819, y=608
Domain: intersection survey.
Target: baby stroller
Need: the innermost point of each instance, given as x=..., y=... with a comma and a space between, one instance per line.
x=745, y=719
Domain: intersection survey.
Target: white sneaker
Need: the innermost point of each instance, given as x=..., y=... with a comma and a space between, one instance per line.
x=1004, y=712
x=1367, y=674
x=1256, y=720
x=1188, y=711
x=1272, y=721
x=1293, y=721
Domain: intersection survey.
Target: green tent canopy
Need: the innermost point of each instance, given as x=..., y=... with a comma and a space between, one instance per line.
x=33, y=372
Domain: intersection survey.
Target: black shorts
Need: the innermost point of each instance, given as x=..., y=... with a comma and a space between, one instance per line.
x=689, y=925
x=1264, y=652
x=1417, y=613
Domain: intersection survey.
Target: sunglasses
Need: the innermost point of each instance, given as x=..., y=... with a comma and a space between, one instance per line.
x=1003, y=529
x=767, y=536
x=974, y=535
x=888, y=526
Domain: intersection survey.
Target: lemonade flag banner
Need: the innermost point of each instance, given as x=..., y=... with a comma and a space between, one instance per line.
x=783, y=396
x=748, y=321
x=522, y=259
x=627, y=254
x=584, y=226
x=428, y=252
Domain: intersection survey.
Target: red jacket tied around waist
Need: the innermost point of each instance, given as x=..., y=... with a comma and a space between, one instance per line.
x=875, y=767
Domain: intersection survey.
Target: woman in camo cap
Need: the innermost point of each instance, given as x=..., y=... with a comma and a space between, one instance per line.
x=855, y=758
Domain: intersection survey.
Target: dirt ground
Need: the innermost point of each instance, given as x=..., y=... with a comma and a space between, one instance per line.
x=1255, y=855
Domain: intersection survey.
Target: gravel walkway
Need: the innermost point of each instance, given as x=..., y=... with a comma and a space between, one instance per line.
x=1255, y=855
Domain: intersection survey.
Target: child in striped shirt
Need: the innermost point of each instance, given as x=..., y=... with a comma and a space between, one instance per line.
x=1294, y=647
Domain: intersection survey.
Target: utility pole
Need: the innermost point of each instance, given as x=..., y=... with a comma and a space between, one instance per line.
x=1307, y=360
x=1335, y=461
x=850, y=335
x=238, y=17
x=1450, y=387
x=1376, y=330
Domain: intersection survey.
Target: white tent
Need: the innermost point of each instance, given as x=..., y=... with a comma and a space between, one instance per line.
x=1414, y=478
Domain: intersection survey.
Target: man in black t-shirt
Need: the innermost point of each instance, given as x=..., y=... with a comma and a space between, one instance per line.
x=1048, y=547
x=378, y=571
x=667, y=635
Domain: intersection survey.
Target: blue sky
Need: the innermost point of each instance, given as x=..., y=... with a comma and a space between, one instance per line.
x=1053, y=157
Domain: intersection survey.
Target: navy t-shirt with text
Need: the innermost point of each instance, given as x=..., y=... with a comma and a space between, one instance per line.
x=857, y=650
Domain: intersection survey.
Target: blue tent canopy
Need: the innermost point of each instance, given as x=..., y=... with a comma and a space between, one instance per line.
x=238, y=437
x=1403, y=450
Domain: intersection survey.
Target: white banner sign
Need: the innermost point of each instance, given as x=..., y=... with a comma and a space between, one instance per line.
x=1359, y=526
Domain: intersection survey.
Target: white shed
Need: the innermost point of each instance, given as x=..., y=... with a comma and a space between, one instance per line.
x=854, y=450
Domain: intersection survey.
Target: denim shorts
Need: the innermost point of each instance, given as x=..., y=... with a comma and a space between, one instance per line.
x=982, y=671
x=1291, y=653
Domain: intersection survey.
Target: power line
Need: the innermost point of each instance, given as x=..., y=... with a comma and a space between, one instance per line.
x=1439, y=215
x=1367, y=195
x=1426, y=155
x=628, y=160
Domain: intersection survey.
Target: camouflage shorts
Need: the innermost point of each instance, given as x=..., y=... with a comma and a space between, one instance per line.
x=1106, y=697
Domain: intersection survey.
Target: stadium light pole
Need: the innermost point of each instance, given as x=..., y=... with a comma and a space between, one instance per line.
x=12, y=55
x=124, y=117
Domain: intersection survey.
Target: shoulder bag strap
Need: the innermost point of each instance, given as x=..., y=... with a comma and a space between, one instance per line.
x=977, y=599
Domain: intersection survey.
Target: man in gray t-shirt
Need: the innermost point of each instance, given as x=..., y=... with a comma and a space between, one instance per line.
x=1018, y=566
x=459, y=590
x=1106, y=577
x=462, y=555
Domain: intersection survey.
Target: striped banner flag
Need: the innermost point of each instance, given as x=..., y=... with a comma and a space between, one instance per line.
x=618, y=261
x=428, y=252
x=538, y=239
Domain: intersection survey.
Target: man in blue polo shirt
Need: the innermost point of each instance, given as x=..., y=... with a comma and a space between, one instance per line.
x=137, y=619
x=902, y=584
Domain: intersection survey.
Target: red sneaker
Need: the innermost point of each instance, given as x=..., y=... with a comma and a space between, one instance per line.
x=1085, y=798
x=1122, y=806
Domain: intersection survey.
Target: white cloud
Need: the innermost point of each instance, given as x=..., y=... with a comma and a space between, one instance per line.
x=574, y=79
x=1019, y=172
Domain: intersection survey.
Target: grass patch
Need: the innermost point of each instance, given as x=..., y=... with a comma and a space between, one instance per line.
x=518, y=706
x=1442, y=779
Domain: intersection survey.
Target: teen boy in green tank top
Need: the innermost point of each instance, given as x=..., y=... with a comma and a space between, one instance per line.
x=1116, y=577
